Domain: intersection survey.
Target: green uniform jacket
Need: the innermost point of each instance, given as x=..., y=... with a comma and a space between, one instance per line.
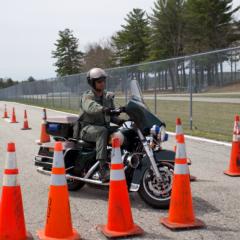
x=92, y=106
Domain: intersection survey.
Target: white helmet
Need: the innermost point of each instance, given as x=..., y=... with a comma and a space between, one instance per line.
x=95, y=74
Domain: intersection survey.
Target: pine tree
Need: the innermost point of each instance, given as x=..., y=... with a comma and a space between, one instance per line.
x=131, y=43
x=67, y=54
x=167, y=25
x=209, y=25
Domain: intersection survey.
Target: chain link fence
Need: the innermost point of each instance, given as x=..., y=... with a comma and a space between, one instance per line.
x=202, y=89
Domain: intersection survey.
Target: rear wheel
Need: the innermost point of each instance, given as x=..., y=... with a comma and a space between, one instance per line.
x=154, y=192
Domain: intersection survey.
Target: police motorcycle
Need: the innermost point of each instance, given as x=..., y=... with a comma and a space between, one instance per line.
x=148, y=167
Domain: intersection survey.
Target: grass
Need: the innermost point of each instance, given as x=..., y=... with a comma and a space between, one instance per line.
x=210, y=120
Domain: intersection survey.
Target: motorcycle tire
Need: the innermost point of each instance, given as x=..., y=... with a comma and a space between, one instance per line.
x=148, y=182
x=74, y=185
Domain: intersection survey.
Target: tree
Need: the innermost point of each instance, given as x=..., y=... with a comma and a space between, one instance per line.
x=167, y=24
x=131, y=43
x=31, y=79
x=7, y=82
x=98, y=55
x=67, y=54
x=209, y=25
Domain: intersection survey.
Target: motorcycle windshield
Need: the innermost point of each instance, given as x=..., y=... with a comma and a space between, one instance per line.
x=136, y=93
x=138, y=111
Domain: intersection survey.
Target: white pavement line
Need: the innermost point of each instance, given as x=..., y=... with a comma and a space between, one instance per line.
x=170, y=133
x=46, y=108
x=204, y=140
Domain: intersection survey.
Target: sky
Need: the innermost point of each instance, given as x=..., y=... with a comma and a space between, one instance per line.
x=29, y=29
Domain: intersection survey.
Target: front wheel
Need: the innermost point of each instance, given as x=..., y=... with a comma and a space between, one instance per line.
x=154, y=192
x=74, y=185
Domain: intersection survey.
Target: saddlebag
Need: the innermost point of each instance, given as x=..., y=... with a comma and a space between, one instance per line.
x=61, y=126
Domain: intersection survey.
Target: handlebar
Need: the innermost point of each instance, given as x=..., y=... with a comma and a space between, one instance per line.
x=117, y=111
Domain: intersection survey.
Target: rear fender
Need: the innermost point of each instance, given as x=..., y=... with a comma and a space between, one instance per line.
x=160, y=156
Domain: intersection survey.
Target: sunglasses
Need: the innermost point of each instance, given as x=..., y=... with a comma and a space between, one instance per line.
x=100, y=80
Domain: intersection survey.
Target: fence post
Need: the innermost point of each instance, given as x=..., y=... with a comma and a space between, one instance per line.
x=125, y=81
x=191, y=97
x=155, y=93
x=69, y=100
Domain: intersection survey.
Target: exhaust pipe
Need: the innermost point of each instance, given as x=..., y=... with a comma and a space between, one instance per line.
x=86, y=180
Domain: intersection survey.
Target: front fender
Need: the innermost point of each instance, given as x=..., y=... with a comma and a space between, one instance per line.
x=160, y=156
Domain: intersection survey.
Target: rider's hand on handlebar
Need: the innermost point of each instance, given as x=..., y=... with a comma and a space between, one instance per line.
x=122, y=109
x=110, y=111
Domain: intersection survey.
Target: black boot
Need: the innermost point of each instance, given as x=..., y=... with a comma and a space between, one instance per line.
x=104, y=172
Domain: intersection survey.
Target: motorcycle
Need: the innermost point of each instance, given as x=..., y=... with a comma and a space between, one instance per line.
x=148, y=167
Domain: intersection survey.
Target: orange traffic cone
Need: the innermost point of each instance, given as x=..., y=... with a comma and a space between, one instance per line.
x=25, y=123
x=13, y=118
x=5, y=112
x=44, y=137
x=12, y=223
x=120, y=222
x=58, y=219
x=179, y=132
x=234, y=166
x=181, y=213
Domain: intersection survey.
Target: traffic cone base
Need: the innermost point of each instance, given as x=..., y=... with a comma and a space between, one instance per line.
x=231, y=174
x=26, y=128
x=10, y=121
x=178, y=226
x=136, y=230
x=41, y=235
x=193, y=178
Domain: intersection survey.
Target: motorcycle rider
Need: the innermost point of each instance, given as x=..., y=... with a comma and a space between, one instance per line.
x=96, y=105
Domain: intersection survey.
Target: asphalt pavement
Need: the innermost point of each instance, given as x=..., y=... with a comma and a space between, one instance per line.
x=216, y=197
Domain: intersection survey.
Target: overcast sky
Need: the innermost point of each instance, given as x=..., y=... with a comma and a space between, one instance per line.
x=29, y=29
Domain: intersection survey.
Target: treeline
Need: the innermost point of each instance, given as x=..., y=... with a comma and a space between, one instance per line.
x=174, y=28
x=8, y=82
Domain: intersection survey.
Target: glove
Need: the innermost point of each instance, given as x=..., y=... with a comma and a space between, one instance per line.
x=108, y=111
x=122, y=109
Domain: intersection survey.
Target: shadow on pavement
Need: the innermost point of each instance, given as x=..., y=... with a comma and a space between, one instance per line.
x=202, y=206
x=96, y=193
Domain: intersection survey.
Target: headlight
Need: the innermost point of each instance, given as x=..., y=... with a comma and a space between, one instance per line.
x=155, y=130
x=159, y=133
